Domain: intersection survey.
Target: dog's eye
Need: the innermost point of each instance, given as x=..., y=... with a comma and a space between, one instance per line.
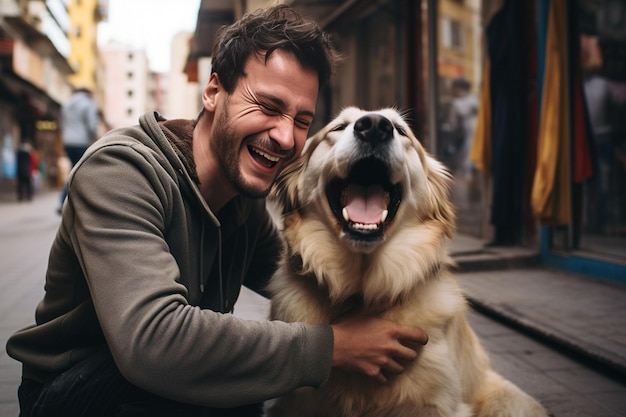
x=401, y=130
x=339, y=127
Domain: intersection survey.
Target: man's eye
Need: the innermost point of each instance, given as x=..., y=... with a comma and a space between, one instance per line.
x=303, y=123
x=268, y=109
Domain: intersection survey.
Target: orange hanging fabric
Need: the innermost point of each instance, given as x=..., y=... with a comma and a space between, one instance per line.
x=480, y=153
x=482, y=149
x=551, y=191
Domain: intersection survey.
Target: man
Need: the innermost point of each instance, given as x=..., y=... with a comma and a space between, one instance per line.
x=163, y=224
x=79, y=128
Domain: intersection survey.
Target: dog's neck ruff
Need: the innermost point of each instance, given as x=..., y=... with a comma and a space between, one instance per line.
x=343, y=302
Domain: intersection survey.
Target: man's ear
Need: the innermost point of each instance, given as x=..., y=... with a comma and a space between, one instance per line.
x=209, y=94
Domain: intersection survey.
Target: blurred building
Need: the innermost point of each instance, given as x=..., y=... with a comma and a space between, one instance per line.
x=128, y=81
x=82, y=33
x=83, y=38
x=211, y=16
x=542, y=165
x=158, y=89
x=183, y=100
x=34, y=74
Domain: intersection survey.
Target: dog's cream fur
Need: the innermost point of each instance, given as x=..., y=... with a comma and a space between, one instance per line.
x=404, y=272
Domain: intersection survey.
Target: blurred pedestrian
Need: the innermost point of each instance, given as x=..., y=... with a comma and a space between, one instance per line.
x=35, y=162
x=24, y=179
x=462, y=123
x=163, y=223
x=79, y=128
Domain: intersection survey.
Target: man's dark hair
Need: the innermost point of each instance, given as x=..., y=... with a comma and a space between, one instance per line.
x=265, y=31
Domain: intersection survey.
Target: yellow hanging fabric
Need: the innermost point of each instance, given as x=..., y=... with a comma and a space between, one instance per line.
x=551, y=191
x=480, y=153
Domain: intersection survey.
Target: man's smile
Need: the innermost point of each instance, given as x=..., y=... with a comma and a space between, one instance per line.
x=263, y=157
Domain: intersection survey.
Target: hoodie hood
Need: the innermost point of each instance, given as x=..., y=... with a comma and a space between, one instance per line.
x=174, y=138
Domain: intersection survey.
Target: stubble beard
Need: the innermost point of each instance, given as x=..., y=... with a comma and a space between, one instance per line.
x=227, y=146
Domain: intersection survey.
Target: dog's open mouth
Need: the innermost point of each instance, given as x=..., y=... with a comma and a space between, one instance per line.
x=365, y=201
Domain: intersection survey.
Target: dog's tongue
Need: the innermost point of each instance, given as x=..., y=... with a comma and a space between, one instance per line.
x=365, y=204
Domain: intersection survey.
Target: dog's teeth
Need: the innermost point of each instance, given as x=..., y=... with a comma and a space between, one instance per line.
x=363, y=226
x=344, y=212
x=383, y=217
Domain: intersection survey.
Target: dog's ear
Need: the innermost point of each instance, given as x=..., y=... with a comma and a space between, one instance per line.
x=285, y=188
x=440, y=184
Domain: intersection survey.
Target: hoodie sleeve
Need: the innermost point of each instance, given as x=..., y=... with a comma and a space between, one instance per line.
x=118, y=201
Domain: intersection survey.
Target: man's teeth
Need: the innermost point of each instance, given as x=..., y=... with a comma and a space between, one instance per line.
x=346, y=217
x=266, y=156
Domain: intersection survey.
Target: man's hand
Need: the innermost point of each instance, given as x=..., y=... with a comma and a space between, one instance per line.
x=374, y=346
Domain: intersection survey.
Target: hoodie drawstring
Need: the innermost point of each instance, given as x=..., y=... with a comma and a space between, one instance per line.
x=224, y=287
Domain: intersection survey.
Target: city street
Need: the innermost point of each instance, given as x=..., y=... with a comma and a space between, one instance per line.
x=566, y=387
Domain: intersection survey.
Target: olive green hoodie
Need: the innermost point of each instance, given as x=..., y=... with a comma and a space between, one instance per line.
x=141, y=263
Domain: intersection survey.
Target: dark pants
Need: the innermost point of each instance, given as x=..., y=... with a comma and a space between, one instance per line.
x=74, y=153
x=95, y=388
x=24, y=188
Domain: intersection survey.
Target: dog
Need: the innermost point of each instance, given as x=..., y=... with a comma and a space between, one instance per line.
x=366, y=214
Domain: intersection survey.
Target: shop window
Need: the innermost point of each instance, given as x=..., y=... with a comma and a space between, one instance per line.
x=458, y=87
x=452, y=33
x=603, y=68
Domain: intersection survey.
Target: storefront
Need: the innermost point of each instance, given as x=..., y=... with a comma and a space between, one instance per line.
x=593, y=241
x=543, y=119
x=33, y=83
x=523, y=101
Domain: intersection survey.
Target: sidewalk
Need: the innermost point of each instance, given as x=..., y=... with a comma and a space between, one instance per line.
x=581, y=315
x=573, y=313
x=26, y=233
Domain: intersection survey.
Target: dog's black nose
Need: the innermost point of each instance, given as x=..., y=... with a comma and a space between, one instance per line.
x=373, y=129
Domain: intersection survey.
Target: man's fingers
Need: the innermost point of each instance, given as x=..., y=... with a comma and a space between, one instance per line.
x=379, y=377
x=377, y=357
x=412, y=336
x=409, y=343
x=387, y=371
x=405, y=353
x=393, y=367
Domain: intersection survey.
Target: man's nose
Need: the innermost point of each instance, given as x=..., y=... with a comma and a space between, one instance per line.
x=283, y=133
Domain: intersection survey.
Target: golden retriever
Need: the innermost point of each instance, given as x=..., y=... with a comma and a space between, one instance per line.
x=366, y=214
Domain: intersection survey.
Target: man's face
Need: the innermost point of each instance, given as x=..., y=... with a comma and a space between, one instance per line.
x=264, y=122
